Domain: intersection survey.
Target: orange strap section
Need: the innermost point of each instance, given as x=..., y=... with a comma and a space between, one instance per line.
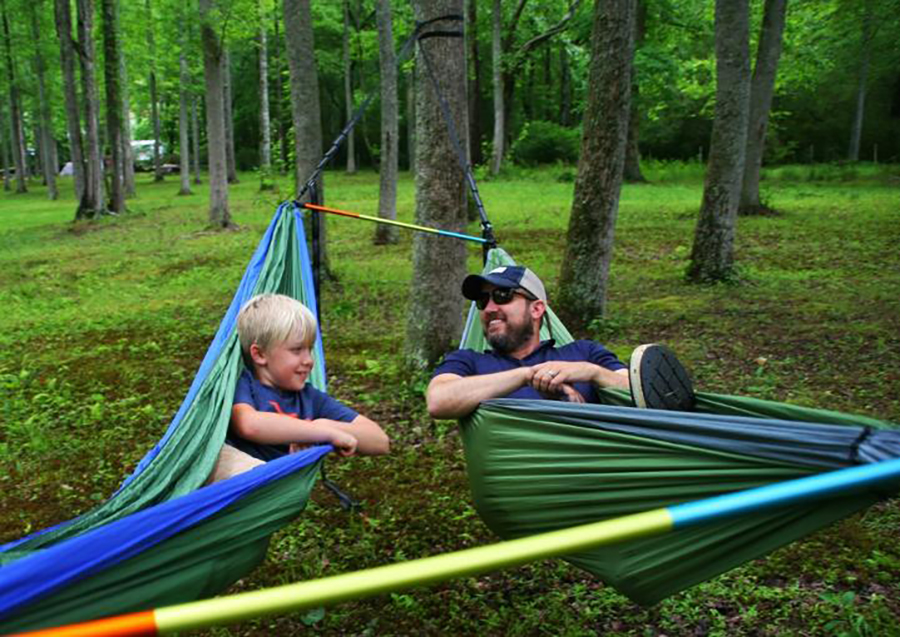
x=141, y=624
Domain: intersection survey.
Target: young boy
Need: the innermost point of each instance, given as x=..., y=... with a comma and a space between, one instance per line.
x=275, y=410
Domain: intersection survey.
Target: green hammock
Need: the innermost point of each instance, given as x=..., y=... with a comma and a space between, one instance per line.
x=537, y=466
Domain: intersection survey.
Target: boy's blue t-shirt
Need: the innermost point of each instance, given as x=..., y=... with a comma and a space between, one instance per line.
x=465, y=362
x=306, y=404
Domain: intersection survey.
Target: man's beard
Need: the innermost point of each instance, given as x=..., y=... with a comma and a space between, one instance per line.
x=515, y=337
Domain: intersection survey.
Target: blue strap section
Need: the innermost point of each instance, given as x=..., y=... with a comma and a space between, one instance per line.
x=843, y=481
x=44, y=571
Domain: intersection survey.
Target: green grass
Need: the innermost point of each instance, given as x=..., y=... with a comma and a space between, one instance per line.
x=104, y=325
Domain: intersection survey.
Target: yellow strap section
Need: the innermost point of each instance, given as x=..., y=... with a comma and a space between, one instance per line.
x=393, y=577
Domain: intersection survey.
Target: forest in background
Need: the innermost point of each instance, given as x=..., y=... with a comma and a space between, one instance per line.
x=836, y=55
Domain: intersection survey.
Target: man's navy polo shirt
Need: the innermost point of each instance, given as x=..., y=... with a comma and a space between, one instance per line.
x=465, y=362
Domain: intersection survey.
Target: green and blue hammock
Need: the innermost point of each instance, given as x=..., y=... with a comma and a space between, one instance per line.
x=534, y=466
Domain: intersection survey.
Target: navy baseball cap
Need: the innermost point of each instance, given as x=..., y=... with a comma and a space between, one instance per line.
x=506, y=276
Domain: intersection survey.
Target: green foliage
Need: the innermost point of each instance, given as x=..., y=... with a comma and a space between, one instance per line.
x=104, y=325
x=546, y=143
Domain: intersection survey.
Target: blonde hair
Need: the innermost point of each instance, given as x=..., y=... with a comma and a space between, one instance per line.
x=271, y=319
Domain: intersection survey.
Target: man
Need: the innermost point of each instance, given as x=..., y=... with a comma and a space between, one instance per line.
x=512, y=302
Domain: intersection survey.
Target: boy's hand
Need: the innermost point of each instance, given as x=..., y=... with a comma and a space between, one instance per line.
x=344, y=443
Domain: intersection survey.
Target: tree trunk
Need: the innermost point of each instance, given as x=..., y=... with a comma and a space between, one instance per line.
x=762, y=88
x=633, y=174
x=127, y=149
x=387, y=165
x=184, y=143
x=348, y=90
x=154, y=98
x=4, y=151
x=281, y=126
x=15, y=114
x=595, y=206
x=439, y=264
x=63, y=14
x=265, y=136
x=46, y=139
x=497, y=83
x=195, y=139
x=213, y=50
x=92, y=203
x=477, y=157
x=113, y=102
x=864, y=57
x=411, y=118
x=231, y=164
x=712, y=256
x=565, y=88
x=305, y=111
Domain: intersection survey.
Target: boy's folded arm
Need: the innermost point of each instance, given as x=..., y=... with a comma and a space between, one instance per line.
x=372, y=439
x=277, y=429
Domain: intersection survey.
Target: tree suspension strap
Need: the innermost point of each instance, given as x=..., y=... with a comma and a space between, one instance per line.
x=482, y=559
x=486, y=228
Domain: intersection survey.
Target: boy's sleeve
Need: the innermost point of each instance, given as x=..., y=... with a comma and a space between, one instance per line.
x=243, y=393
x=324, y=406
x=601, y=356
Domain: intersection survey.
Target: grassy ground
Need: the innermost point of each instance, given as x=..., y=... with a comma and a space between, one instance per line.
x=104, y=324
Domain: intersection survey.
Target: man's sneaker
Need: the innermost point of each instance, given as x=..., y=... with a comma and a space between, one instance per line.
x=659, y=380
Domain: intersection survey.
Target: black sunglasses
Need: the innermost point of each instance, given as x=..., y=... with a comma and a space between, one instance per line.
x=500, y=296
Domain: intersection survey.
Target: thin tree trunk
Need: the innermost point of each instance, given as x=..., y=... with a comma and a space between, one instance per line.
x=47, y=154
x=92, y=203
x=387, y=168
x=565, y=88
x=305, y=110
x=865, y=56
x=477, y=157
x=762, y=88
x=592, y=223
x=113, y=102
x=281, y=125
x=229, y=118
x=195, y=138
x=4, y=151
x=213, y=50
x=411, y=118
x=633, y=174
x=14, y=106
x=154, y=98
x=127, y=149
x=184, y=144
x=438, y=264
x=265, y=134
x=63, y=13
x=348, y=90
x=712, y=256
x=498, y=81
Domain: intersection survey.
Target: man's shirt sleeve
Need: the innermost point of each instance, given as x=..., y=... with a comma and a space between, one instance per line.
x=461, y=362
x=601, y=356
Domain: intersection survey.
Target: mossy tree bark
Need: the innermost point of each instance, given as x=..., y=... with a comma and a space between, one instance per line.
x=15, y=113
x=92, y=203
x=439, y=264
x=712, y=255
x=63, y=15
x=110, y=11
x=589, y=242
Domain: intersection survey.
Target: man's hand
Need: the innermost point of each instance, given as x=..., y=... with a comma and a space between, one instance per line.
x=550, y=376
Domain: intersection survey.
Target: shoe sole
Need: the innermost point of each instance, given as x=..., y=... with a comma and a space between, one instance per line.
x=668, y=386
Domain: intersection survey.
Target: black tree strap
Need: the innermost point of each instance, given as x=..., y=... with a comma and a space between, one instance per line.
x=487, y=229
x=419, y=33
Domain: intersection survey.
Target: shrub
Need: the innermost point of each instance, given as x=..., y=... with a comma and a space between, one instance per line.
x=546, y=143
